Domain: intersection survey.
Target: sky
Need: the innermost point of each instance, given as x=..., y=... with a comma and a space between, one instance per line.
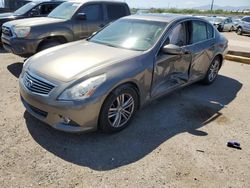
x=181, y=3
x=184, y=3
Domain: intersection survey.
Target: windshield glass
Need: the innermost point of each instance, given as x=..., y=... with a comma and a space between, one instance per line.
x=218, y=19
x=130, y=34
x=24, y=9
x=64, y=11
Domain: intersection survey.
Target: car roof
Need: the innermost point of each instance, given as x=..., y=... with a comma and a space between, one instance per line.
x=161, y=17
x=97, y=1
x=45, y=1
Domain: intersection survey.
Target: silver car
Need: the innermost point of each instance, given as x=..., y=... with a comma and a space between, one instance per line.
x=101, y=82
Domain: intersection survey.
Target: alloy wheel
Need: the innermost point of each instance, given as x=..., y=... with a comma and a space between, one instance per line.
x=121, y=110
x=213, y=71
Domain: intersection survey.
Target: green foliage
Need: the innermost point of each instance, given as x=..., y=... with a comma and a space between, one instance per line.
x=193, y=11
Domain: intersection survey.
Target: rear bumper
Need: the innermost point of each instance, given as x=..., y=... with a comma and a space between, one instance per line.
x=22, y=47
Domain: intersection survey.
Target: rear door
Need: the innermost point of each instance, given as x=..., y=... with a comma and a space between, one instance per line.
x=172, y=71
x=202, y=45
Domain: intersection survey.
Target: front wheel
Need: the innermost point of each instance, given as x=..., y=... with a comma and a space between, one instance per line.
x=212, y=72
x=48, y=44
x=118, y=109
x=239, y=31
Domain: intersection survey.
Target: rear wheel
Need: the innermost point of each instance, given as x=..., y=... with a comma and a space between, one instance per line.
x=118, y=109
x=212, y=72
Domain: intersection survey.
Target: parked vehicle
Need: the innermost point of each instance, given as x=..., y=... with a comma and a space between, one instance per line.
x=68, y=22
x=243, y=26
x=101, y=82
x=222, y=23
x=236, y=23
x=32, y=9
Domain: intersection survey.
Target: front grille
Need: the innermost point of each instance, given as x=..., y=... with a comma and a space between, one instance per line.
x=36, y=85
x=7, y=31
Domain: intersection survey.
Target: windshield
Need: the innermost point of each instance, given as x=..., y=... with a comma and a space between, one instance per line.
x=64, y=11
x=130, y=34
x=24, y=9
x=218, y=19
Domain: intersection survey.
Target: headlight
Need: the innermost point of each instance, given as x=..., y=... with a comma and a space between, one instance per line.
x=83, y=90
x=21, y=32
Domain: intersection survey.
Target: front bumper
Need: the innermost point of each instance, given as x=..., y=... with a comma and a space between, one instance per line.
x=83, y=116
x=22, y=47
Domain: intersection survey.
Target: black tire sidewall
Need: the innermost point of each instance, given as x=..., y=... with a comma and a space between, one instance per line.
x=48, y=44
x=104, y=124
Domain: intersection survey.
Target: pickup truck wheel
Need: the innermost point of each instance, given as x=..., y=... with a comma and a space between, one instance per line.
x=239, y=31
x=48, y=44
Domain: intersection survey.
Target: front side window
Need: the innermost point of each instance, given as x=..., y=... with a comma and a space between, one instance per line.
x=130, y=34
x=199, y=32
x=178, y=36
x=116, y=11
x=93, y=12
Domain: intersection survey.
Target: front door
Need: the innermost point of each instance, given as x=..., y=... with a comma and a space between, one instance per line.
x=172, y=71
x=94, y=19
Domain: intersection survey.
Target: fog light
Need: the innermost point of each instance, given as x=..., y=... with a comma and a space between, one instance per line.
x=66, y=120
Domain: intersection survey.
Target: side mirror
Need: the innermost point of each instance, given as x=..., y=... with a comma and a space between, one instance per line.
x=81, y=16
x=172, y=49
x=34, y=12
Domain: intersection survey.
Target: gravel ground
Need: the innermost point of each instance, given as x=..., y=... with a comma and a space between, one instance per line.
x=176, y=141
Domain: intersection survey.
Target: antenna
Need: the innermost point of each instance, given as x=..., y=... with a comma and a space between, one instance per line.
x=212, y=5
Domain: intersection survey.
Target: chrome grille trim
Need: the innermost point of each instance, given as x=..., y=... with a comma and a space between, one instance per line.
x=7, y=31
x=37, y=85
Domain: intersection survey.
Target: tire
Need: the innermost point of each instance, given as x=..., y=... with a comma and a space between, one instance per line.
x=231, y=29
x=115, y=117
x=48, y=44
x=239, y=31
x=212, y=72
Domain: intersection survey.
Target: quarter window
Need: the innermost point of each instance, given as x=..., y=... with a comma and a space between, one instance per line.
x=116, y=11
x=93, y=12
x=210, y=31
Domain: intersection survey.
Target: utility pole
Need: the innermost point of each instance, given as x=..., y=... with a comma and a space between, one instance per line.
x=212, y=5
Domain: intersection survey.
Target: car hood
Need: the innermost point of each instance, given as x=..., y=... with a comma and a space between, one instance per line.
x=30, y=22
x=65, y=62
x=6, y=15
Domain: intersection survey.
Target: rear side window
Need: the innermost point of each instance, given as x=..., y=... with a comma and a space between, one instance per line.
x=199, y=31
x=116, y=11
x=93, y=12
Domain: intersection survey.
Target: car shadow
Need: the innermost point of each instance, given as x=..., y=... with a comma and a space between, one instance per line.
x=186, y=110
x=15, y=69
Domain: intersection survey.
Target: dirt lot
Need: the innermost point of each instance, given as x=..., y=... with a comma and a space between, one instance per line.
x=176, y=141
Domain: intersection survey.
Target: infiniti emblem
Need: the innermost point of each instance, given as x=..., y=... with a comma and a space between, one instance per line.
x=29, y=83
